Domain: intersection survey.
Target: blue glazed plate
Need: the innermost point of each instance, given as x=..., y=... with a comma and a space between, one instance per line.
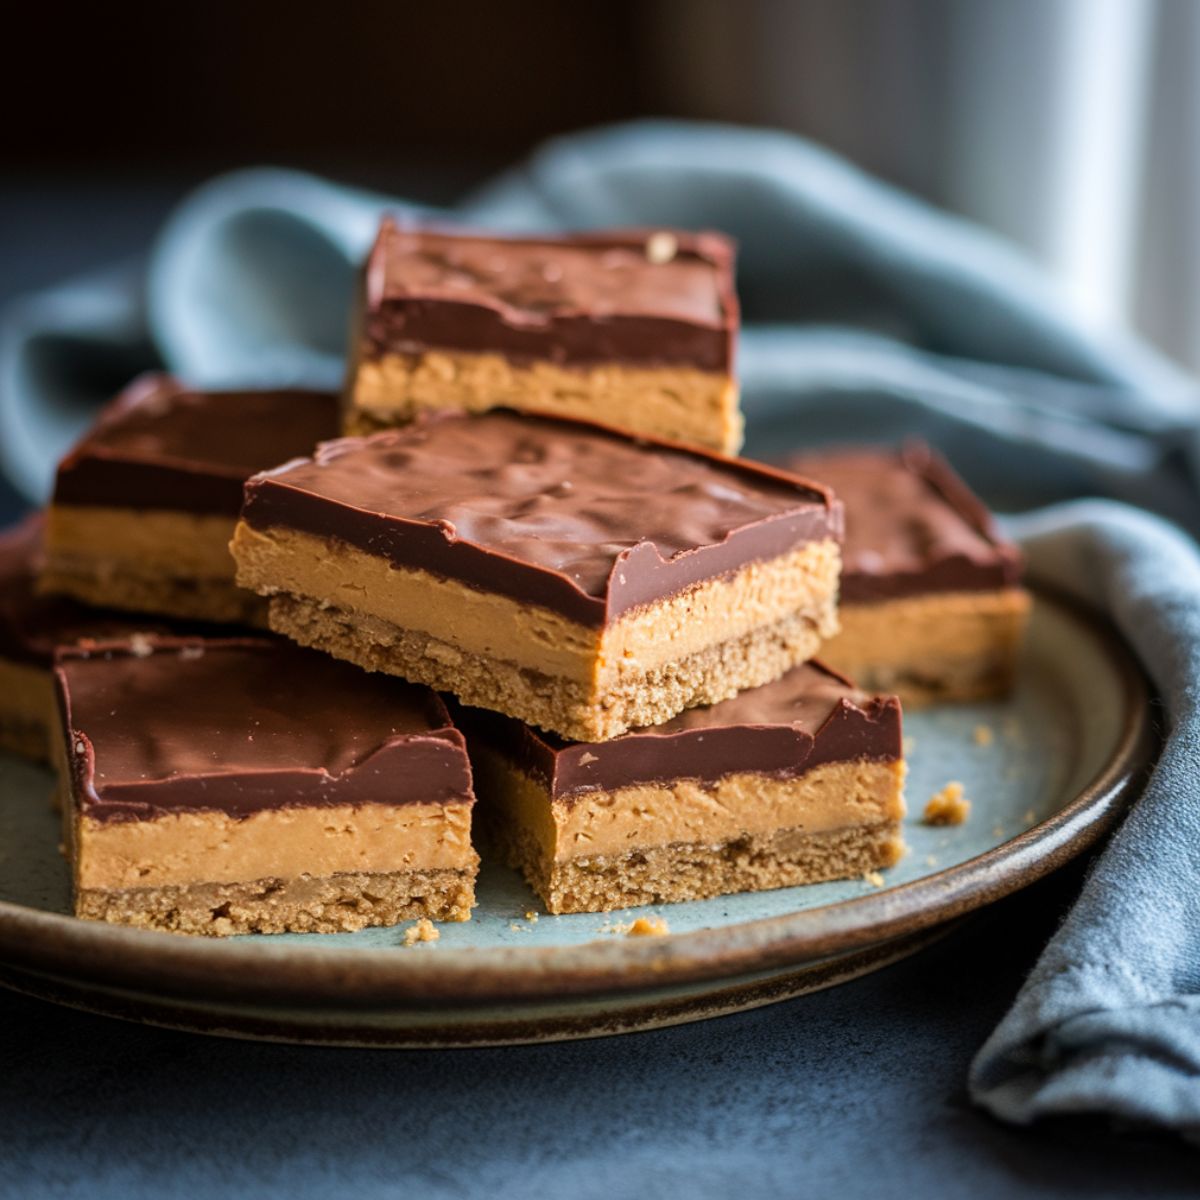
x=1047, y=772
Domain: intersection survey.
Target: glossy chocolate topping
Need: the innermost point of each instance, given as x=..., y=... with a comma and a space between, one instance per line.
x=32, y=626
x=809, y=717
x=568, y=515
x=635, y=296
x=242, y=725
x=912, y=525
x=159, y=445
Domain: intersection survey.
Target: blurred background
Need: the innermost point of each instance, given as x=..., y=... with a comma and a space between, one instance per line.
x=1071, y=126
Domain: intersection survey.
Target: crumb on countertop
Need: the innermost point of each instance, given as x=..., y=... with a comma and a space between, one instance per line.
x=423, y=931
x=983, y=735
x=947, y=807
x=874, y=878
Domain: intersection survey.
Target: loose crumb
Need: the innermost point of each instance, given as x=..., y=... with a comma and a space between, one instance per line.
x=874, y=878
x=907, y=745
x=423, y=931
x=648, y=927
x=639, y=927
x=947, y=807
x=1030, y=817
x=141, y=645
x=661, y=247
x=931, y=860
x=997, y=831
x=983, y=735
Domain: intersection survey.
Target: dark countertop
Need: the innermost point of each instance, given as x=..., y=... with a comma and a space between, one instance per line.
x=854, y=1092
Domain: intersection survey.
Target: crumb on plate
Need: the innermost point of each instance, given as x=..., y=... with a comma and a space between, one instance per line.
x=947, y=807
x=874, y=878
x=983, y=735
x=423, y=930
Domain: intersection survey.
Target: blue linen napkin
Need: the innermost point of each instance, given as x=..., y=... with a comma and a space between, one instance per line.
x=868, y=316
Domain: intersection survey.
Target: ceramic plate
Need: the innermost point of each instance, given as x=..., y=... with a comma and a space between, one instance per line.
x=1047, y=772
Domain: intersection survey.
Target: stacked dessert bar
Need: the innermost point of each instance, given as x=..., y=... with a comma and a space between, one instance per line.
x=529, y=601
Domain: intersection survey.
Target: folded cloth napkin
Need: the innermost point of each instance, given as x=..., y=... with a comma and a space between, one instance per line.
x=868, y=315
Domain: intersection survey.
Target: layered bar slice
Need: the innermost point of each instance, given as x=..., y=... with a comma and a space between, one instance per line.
x=32, y=626
x=795, y=782
x=244, y=785
x=144, y=506
x=931, y=605
x=553, y=570
x=634, y=328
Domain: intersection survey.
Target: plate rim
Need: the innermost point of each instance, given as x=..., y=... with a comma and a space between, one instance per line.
x=305, y=976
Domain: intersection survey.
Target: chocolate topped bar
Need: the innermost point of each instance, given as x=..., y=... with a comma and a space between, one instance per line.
x=810, y=717
x=633, y=296
x=33, y=626
x=162, y=445
x=567, y=515
x=912, y=526
x=239, y=725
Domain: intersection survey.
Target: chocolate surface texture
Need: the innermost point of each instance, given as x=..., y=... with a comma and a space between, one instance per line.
x=809, y=717
x=243, y=725
x=33, y=625
x=912, y=525
x=160, y=445
x=567, y=515
x=633, y=296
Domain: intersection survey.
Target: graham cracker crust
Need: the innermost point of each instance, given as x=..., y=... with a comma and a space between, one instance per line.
x=639, y=698
x=338, y=903
x=682, y=871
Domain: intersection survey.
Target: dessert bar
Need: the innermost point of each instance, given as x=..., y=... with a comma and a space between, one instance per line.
x=144, y=506
x=31, y=627
x=553, y=570
x=931, y=605
x=244, y=785
x=633, y=328
x=795, y=782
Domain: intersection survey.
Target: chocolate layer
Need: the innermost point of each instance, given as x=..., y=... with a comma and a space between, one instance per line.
x=912, y=525
x=32, y=626
x=633, y=296
x=810, y=717
x=241, y=725
x=568, y=515
x=160, y=445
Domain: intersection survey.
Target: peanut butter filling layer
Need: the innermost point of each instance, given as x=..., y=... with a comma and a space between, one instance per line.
x=486, y=625
x=210, y=847
x=676, y=402
x=154, y=561
x=953, y=645
x=686, y=811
